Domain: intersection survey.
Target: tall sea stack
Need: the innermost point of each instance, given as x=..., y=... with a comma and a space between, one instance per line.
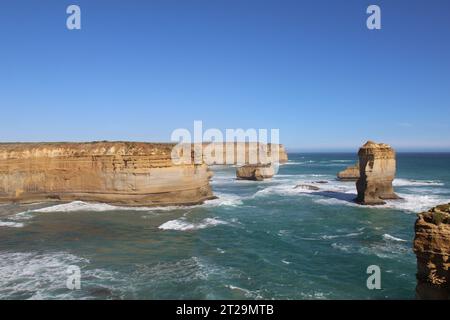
x=377, y=171
x=432, y=249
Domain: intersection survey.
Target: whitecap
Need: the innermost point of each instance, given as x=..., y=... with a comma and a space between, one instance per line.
x=75, y=206
x=11, y=224
x=36, y=275
x=399, y=182
x=352, y=234
x=415, y=202
x=183, y=225
x=247, y=293
x=388, y=237
x=224, y=199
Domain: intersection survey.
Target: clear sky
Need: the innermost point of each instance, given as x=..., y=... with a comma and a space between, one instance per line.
x=137, y=70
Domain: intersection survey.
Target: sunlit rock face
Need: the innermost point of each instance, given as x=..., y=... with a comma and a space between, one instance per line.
x=432, y=249
x=350, y=173
x=377, y=168
x=127, y=173
x=256, y=172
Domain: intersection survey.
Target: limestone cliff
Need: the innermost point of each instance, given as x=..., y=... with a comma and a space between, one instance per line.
x=377, y=167
x=241, y=153
x=432, y=249
x=127, y=173
x=350, y=173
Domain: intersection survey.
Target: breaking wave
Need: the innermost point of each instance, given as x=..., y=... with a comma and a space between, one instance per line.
x=183, y=225
x=11, y=224
x=388, y=237
x=398, y=182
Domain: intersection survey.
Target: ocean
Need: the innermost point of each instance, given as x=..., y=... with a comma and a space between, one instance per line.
x=258, y=240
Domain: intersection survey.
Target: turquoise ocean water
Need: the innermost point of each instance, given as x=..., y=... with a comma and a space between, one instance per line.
x=258, y=240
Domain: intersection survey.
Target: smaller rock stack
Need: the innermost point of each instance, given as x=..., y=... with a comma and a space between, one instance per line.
x=257, y=172
x=377, y=167
x=351, y=173
x=432, y=249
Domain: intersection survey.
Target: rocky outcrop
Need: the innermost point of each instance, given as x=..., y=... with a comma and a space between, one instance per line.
x=432, y=249
x=241, y=153
x=307, y=187
x=351, y=173
x=256, y=172
x=135, y=174
x=377, y=171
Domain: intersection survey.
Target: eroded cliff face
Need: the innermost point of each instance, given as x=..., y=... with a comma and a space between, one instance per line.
x=241, y=153
x=127, y=173
x=432, y=249
x=377, y=167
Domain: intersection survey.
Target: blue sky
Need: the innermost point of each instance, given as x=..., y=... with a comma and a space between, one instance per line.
x=137, y=70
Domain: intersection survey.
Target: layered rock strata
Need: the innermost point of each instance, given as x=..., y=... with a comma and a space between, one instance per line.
x=256, y=172
x=432, y=249
x=127, y=173
x=241, y=153
x=351, y=173
x=377, y=167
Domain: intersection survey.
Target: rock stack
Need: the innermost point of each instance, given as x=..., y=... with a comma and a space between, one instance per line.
x=377, y=171
x=257, y=172
x=351, y=173
x=432, y=249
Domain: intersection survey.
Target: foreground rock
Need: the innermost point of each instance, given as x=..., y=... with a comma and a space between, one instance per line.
x=377, y=171
x=134, y=174
x=351, y=173
x=257, y=172
x=432, y=249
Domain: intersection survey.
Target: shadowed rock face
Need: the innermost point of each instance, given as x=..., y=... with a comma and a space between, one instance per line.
x=127, y=173
x=257, y=172
x=351, y=173
x=377, y=171
x=432, y=249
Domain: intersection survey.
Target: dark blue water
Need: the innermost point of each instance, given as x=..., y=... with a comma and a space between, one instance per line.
x=259, y=240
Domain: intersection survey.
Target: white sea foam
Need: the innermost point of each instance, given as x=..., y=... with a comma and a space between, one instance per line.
x=224, y=199
x=33, y=274
x=388, y=237
x=98, y=207
x=247, y=293
x=11, y=224
x=183, y=225
x=353, y=234
x=415, y=202
x=398, y=182
x=341, y=247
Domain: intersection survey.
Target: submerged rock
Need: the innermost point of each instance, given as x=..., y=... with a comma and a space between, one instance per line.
x=432, y=249
x=351, y=173
x=307, y=187
x=257, y=172
x=377, y=171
